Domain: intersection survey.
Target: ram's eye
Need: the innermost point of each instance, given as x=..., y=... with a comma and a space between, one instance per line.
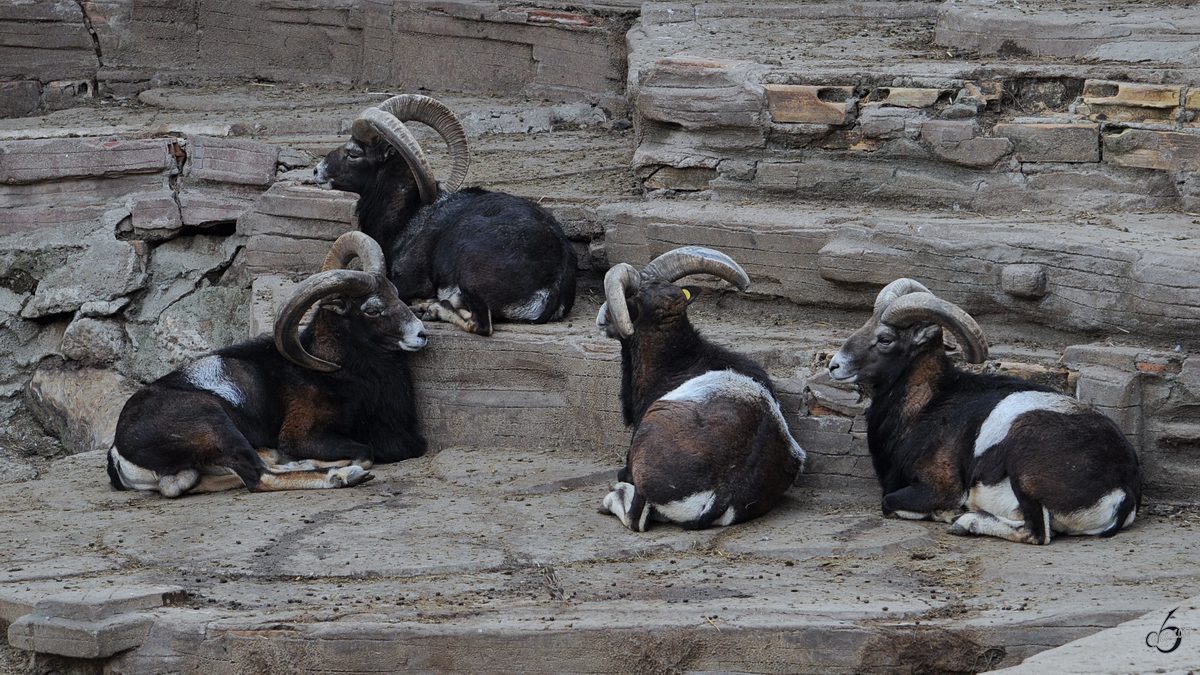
x=884, y=340
x=372, y=311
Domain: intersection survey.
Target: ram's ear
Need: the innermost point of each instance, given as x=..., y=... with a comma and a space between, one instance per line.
x=690, y=292
x=336, y=305
x=927, y=333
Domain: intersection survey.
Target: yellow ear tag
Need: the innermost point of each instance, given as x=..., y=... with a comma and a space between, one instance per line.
x=687, y=295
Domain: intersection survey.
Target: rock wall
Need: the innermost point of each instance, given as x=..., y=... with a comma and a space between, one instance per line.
x=57, y=53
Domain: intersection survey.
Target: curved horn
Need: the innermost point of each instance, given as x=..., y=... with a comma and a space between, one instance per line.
x=353, y=245
x=911, y=308
x=311, y=290
x=374, y=122
x=674, y=265
x=620, y=282
x=896, y=289
x=435, y=114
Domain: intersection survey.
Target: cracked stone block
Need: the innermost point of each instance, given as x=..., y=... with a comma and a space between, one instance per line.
x=1146, y=149
x=688, y=180
x=93, y=341
x=104, y=271
x=1052, y=142
x=80, y=406
x=90, y=625
x=18, y=99
x=57, y=158
x=939, y=132
x=300, y=211
x=905, y=97
x=207, y=204
x=1131, y=102
x=701, y=93
x=1116, y=393
x=155, y=216
x=267, y=254
x=885, y=123
x=1024, y=281
x=975, y=152
x=231, y=160
x=808, y=104
x=64, y=94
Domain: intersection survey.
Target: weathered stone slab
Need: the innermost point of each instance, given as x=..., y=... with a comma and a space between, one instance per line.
x=300, y=211
x=19, y=98
x=1160, y=150
x=560, y=55
x=79, y=406
x=1097, y=279
x=45, y=40
x=93, y=341
x=266, y=253
x=90, y=625
x=203, y=203
x=31, y=161
x=906, y=97
x=1052, y=142
x=231, y=160
x=808, y=104
x=702, y=93
x=105, y=270
x=155, y=216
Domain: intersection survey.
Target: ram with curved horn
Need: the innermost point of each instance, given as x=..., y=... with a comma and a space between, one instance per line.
x=301, y=409
x=710, y=444
x=993, y=455
x=469, y=257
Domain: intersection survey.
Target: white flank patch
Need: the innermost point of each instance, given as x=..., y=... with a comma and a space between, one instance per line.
x=133, y=476
x=998, y=500
x=686, y=510
x=995, y=428
x=1093, y=520
x=702, y=388
x=209, y=374
x=530, y=309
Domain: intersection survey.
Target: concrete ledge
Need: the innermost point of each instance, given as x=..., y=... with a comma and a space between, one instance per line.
x=90, y=625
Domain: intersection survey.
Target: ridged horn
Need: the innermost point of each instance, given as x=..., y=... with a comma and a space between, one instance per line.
x=388, y=122
x=374, y=122
x=621, y=281
x=435, y=114
x=308, y=293
x=353, y=245
x=896, y=289
x=913, y=307
x=679, y=263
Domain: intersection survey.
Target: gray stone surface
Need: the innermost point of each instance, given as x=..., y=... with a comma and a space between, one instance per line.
x=93, y=341
x=502, y=550
x=78, y=406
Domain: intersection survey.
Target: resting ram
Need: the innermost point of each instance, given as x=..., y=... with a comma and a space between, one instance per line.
x=1023, y=460
x=336, y=397
x=710, y=445
x=470, y=257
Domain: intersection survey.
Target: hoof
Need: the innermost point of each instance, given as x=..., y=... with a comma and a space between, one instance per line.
x=348, y=476
x=958, y=530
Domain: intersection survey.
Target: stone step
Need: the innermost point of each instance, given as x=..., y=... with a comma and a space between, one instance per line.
x=878, y=102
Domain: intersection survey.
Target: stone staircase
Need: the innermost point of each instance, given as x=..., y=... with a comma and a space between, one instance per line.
x=1034, y=162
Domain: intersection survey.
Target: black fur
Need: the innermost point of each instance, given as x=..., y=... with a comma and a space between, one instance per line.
x=926, y=414
x=498, y=249
x=365, y=411
x=728, y=445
